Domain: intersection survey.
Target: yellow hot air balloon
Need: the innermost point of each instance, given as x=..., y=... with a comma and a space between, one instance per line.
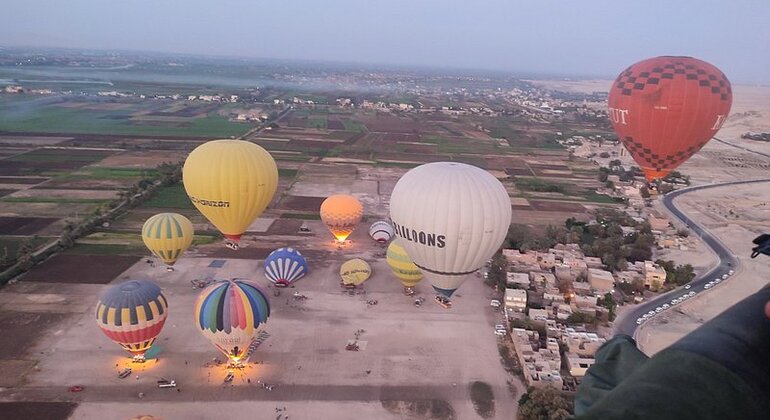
x=355, y=272
x=167, y=235
x=231, y=182
x=341, y=214
x=403, y=267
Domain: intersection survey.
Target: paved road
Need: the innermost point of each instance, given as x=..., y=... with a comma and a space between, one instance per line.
x=727, y=261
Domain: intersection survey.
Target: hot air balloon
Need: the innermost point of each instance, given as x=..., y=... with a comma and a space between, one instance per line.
x=403, y=267
x=355, y=272
x=167, y=235
x=341, y=214
x=381, y=231
x=230, y=182
x=132, y=314
x=229, y=313
x=285, y=265
x=665, y=109
x=450, y=217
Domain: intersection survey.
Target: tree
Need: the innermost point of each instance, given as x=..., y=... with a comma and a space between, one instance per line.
x=644, y=191
x=608, y=301
x=603, y=175
x=604, y=155
x=4, y=259
x=497, y=271
x=580, y=318
x=545, y=403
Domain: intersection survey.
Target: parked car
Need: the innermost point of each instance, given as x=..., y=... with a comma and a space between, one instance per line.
x=688, y=286
x=725, y=276
x=164, y=383
x=691, y=294
x=495, y=303
x=658, y=309
x=707, y=286
x=500, y=333
x=666, y=306
x=639, y=320
x=731, y=272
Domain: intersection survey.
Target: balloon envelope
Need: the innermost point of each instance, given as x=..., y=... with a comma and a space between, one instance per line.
x=355, y=272
x=450, y=217
x=341, y=214
x=229, y=313
x=665, y=109
x=403, y=267
x=381, y=231
x=132, y=314
x=285, y=265
x=167, y=235
x=231, y=182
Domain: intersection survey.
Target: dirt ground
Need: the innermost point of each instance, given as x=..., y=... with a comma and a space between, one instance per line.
x=72, y=268
x=409, y=353
x=23, y=225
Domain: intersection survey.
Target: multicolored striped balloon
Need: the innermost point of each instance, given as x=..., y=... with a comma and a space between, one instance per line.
x=132, y=314
x=403, y=267
x=381, y=231
x=229, y=313
x=167, y=235
x=285, y=265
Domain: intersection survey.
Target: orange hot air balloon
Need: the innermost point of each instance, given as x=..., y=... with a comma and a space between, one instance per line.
x=665, y=109
x=341, y=214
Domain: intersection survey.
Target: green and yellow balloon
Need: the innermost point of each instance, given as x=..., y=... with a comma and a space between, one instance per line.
x=168, y=235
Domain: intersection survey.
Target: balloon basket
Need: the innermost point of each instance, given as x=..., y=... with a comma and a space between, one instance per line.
x=443, y=301
x=170, y=269
x=236, y=365
x=232, y=245
x=139, y=358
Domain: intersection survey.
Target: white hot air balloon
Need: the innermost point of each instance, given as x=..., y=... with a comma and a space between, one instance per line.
x=381, y=231
x=451, y=218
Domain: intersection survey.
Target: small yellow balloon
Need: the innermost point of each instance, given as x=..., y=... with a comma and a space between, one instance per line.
x=230, y=182
x=403, y=267
x=355, y=272
x=168, y=235
x=341, y=214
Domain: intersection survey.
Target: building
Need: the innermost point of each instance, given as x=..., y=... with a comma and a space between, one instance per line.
x=593, y=262
x=540, y=279
x=654, y=275
x=516, y=300
x=582, y=343
x=601, y=280
x=538, y=314
x=517, y=280
x=540, y=366
x=658, y=223
x=628, y=276
x=578, y=365
x=563, y=311
x=546, y=260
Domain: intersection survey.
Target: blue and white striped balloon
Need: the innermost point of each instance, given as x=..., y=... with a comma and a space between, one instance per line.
x=284, y=266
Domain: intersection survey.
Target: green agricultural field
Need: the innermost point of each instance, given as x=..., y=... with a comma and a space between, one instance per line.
x=55, y=118
x=172, y=197
x=9, y=246
x=316, y=122
x=98, y=172
x=354, y=125
x=287, y=173
x=58, y=200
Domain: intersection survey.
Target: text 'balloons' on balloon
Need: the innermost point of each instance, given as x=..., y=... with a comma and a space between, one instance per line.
x=354, y=272
x=665, y=109
x=132, y=314
x=230, y=182
x=284, y=266
x=341, y=214
x=403, y=268
x=167, y=235
x=450, y=217
x=381, y=231
x=229, y=313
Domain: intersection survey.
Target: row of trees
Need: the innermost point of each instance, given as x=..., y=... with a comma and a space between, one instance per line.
x=167, y=174
x=677, y=275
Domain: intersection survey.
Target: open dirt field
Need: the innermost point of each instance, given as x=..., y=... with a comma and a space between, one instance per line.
x=72, y=268
x=409, y=353
x=23, y=225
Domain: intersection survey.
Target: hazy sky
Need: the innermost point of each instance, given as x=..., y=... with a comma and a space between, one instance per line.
x=578, y=37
